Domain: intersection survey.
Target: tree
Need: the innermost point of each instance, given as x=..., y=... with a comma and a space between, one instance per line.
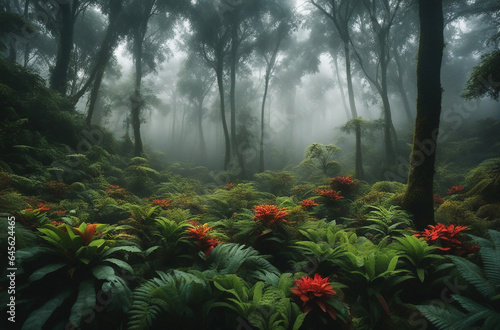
x=485, y=78
x=322, y=155
x=381, y=15
x=341, y=14
x=276, y=26
x=418, y=197
x=194, y=82
x=211, y=35
x=67, y=13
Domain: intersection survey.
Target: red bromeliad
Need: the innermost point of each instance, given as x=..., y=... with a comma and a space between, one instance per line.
x=88, y=233
x=315, y=292
x=447, y=236
x=455, y=190
x=163, y=203
x=330, y=195
x=343, y=183
x=308, y=204
x=269, y=214
x=205, y=242
x=438, y=200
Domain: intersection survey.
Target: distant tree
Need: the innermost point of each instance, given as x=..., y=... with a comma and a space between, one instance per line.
x=418, y=198
x=322, y=155
x=276, y=26
x=195, y=82
x=485, y=78
x=211, y=36
x=341, y=14
x=380, y=17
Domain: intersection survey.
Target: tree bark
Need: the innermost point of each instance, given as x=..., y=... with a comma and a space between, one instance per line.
x=341, y=88
x=418, y=198
x=232, y=99
x=220, y=83
x=136, y=102
x=262, y=113
x=59, y=77
x=402, y=90
x=359, y=172
x=203, y=146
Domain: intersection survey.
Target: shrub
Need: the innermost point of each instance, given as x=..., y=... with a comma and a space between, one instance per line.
x=389, y=186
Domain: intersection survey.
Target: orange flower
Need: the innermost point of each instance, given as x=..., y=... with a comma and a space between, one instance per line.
x=163, y=203
x=269, y=214
x=330, y=195
x=88, y=233
x=308, y=204
x=57, y=223
x=447, y=236
x=60, y=212
x=455, y=190
x=229, y=186
x=203, y=240
x=315, y=291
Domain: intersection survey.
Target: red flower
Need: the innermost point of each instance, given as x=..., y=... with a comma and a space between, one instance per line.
x=60, y=212
x=88, y=233
x=455, y=190
x=330, y=195
x=204, y=241
x=229, y=186
x=438, y=199
x=343, y=183
x=315, y=291
x=57, y=223
x=42, y=207
x=447, y=236
x=269, y=214
x=308, y=204
x=163, y=203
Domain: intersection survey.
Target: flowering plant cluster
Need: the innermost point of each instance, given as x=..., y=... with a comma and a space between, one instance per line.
x=269, y=214
x=330, y=195
x=455, y=190
x=438, y=200
x=117, y=192
x=229, y=186
x=308, y=204
x=447, y=237
x=41, y=207
x=343, y=183
x=163, y=203
x=204, y=240
x=314, y=292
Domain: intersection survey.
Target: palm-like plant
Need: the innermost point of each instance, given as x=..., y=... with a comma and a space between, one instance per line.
x=387, y=221
x=64, y=277
x=474, y=313
x=418, y=253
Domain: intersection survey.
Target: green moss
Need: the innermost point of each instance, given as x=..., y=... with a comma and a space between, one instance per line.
x=389, y=187
x=481, y=172
x=77, y=187
x=489, y=212
x=457, y=213
x=12, y=201
x=25, y=185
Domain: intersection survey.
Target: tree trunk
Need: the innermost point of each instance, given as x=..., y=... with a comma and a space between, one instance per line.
x=402, y=90
x=203, y=146
x=266, y=88
x=359, y=172
x=27, y=46
x=136, y=102
x=232, y=99
x=389, y=132
x=94, y=94
x=418, y=198
x=59, y=77
x=341, y=88
x=220, y=83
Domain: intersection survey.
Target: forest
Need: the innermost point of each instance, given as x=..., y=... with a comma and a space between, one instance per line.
x=249, y=164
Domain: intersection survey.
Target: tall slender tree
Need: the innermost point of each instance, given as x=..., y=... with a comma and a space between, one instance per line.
x=418, y=197
x=341, y=14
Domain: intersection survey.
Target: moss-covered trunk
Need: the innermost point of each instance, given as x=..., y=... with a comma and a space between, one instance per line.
x=418, y=197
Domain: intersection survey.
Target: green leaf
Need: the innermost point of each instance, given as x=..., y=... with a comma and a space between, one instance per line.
x=41, y=272
x=421, y=274
x=84, y=302
x=103, y=272
x=121, y=264
x=37, y=319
